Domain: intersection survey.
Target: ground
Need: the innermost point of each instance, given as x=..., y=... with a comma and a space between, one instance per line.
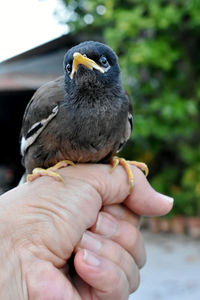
x=172, y=270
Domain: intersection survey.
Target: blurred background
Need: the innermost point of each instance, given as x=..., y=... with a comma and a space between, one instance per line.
x=158, y=47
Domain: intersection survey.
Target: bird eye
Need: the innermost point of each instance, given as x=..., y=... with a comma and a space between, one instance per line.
x=104, y=61
x=68, y=68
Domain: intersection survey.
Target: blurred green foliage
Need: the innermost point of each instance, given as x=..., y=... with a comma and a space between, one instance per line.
x=158, y=45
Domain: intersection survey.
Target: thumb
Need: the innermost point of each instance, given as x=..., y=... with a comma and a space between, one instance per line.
x=144, y=200
x=113, y=188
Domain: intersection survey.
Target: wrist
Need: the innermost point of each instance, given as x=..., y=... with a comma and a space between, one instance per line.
x=11, y=286
x=11, y=278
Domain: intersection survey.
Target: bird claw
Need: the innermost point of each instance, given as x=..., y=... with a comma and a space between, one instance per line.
x=140, y=165
x=126, y=165
x=37, y=172
x=61, y=164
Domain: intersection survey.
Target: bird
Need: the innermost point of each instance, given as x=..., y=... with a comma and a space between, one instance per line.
x=83, y=116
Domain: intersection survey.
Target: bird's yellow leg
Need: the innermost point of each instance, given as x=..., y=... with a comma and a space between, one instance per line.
x=126, y=165
x=37, y=172
x=61, y=164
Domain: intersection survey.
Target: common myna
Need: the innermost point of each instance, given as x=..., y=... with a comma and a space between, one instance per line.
x=81, y=117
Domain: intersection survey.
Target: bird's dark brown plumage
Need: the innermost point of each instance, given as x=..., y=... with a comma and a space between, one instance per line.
x=93, y=120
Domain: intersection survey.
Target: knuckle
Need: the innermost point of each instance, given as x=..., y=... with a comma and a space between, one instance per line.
x=121, y=286
x=135, y=282
x=133, y=241
x=143, y=259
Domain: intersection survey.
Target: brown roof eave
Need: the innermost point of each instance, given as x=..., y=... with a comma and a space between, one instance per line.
x=23, y=82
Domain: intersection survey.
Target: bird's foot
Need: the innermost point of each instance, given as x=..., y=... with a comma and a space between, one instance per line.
x=37, y=172
x=140, y=165
x=126, y=165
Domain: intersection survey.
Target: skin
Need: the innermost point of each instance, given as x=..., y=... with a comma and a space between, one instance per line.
x=92, y=215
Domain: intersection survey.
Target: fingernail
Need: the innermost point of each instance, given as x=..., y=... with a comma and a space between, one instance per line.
x=90, y=242
x=167, y=198
x=91, y=259
x=106, y=226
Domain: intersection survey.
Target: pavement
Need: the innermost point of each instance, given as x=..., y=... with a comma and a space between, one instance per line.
x=172, y=270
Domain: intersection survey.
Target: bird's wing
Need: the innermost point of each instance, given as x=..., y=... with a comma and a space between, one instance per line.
x=129, y=125
x=41, y=109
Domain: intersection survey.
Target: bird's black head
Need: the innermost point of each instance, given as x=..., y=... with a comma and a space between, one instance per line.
x=91, y=65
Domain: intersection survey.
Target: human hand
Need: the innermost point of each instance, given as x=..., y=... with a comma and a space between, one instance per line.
x=41, y=227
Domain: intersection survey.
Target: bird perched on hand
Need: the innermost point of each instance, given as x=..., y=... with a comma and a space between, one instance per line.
x=84, y=116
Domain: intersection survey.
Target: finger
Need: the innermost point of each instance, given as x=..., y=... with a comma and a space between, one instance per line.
x=123, y=213
x=46, y=282
x=144, y=200
x=112, y=251
x=124, y=234
x=107, y=279
x=114, y=188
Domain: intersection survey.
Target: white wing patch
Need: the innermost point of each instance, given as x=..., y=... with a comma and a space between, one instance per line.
x=23, y=146
x=35, y=131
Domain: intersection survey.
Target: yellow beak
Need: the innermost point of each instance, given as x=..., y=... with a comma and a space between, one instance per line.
x=80, y=59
